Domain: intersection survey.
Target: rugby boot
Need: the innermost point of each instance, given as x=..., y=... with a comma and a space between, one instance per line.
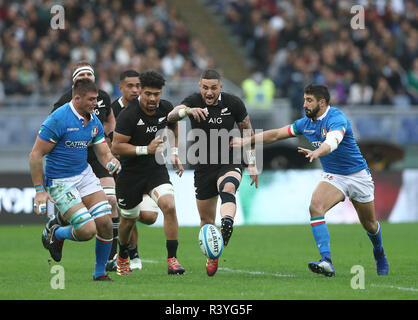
x=46, y=233
x=122, y=266
x=174, y=267
x=211, y=266
x=55, y=245
x=226, y=229
x=323, y=266
x=382, y=264
x=103, y=277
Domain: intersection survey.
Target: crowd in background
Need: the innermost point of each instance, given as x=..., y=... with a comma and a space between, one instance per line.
x=295, y=42
x=112, y=35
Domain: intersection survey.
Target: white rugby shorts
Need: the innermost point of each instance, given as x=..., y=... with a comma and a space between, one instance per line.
x=68, y=192
x=358, y=186
x=147, y=204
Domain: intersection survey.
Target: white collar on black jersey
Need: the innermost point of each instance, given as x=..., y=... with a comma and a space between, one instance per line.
x=120, y=102
x=219, y=99
x=76, y=113
x=323, y=116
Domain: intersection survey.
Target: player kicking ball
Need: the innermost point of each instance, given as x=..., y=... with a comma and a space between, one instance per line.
x=345, y=173
x=215, y=113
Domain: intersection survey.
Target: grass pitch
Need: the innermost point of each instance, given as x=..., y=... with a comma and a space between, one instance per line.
x=260, y=263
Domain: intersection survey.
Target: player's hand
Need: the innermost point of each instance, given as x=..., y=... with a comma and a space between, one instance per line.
x=252, y=169
x=39, y=205
x=177, y=164
x=197, y=113
x=309, y=154
x=154, y=145
x=114, y=166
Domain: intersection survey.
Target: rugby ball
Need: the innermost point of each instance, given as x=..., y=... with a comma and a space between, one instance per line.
x=210, y=241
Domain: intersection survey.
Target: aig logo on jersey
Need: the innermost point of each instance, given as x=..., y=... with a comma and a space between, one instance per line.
x=152, y=129
x=215, y=120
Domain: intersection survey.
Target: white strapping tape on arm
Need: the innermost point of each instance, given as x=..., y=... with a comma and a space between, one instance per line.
x=333, y=139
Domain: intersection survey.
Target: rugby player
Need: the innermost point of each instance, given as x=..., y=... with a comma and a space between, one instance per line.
x=104, y=113
x=346, y=173
x=129, y=86
x=214, y=111
x=69, y=181
x=137, y=144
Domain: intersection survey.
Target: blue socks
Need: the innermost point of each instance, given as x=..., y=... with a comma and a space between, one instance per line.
x=103, y=247
x=63, y=233
x=321, y=235
x=376, y=239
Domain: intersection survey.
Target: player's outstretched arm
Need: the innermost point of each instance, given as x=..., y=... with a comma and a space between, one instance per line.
x=266, y=137
x=182, y=111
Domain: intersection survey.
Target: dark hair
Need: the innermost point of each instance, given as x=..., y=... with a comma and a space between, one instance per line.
x=210, y=74
x=318, y=91
x=128, y=74
x=82, y=86
x=151, y=79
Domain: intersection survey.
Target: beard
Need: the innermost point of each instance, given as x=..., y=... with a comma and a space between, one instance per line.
x=312, y=113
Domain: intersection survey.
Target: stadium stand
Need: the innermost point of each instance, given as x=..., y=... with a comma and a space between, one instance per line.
x=302, y=41
x=372, y=72
x=112, y=35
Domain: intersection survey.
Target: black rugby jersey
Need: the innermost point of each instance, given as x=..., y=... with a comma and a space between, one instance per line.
x=117, y=106
x=142, y=129
x=222, y=118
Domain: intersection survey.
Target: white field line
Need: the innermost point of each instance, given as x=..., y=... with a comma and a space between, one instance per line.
x=150, y=261
x=394, y=287
x=258, y=273
x=291, y=276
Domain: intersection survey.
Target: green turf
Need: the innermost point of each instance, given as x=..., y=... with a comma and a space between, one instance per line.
x=260, y=262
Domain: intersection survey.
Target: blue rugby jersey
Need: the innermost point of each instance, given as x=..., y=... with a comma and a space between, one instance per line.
x=65, y=129
x=347, y=158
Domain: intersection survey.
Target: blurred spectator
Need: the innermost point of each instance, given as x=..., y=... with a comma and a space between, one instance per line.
x=12, y=86
x=112, y=35
x=2, y=91
x=274, y=32
x=361, y=93
x=173, y=61
x=412, y=86
x=383, y=93
x=258, y=91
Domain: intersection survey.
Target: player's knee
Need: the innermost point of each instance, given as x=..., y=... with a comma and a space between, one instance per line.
x=112, y=201
x=148, y=217
x=229, y=185
x=167, y=207
x=316, y=209
x=104, y=226
x=86, y=232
